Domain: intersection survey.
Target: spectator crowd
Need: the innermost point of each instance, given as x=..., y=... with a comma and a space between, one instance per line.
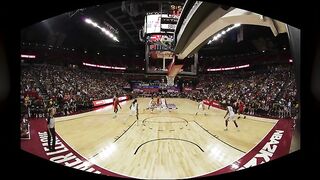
x=271, y=92
x=69, y=89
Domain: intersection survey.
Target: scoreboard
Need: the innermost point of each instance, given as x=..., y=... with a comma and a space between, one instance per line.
x=159, y=23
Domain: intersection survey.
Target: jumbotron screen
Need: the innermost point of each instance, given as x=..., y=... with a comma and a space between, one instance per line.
x=160, y=46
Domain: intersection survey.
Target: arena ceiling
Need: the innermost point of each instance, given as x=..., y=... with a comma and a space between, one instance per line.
x=127, y=18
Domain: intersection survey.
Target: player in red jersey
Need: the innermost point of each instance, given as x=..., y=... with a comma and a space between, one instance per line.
x=158, y=101
x=241, y=107
x=116, y=103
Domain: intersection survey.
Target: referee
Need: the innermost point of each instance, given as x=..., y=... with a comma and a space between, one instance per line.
x=51, y=129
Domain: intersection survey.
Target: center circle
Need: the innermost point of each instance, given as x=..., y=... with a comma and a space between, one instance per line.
x=165, y=119
x=165, y=123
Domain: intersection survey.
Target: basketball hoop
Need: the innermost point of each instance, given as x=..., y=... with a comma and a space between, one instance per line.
x=170, y=80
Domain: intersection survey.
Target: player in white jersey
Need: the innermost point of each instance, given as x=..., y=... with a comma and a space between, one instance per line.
x=201, y=107
x=152, y=104
x=231, y=117
x=134, y=109
x=164, y=103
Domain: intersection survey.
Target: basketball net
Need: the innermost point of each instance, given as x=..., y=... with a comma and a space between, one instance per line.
x=170, y=80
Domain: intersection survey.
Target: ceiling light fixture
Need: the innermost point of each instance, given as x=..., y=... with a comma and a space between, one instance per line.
x=104, y=30
x=219, y=35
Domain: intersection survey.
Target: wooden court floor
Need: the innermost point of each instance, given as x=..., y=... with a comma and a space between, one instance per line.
x=161, y=144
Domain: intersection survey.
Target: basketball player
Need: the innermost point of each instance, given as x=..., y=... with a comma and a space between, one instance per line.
x=236, y=106
x=134, y=109
x=240, y=109
x=152, y=104
x=158, y=101
x=51, y=128
x=115, y=106
x=164, y=104
x=201, y=107
x=231, y=117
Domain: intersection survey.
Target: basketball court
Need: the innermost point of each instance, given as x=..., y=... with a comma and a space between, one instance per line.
x=161, y=144
x=170, y=143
